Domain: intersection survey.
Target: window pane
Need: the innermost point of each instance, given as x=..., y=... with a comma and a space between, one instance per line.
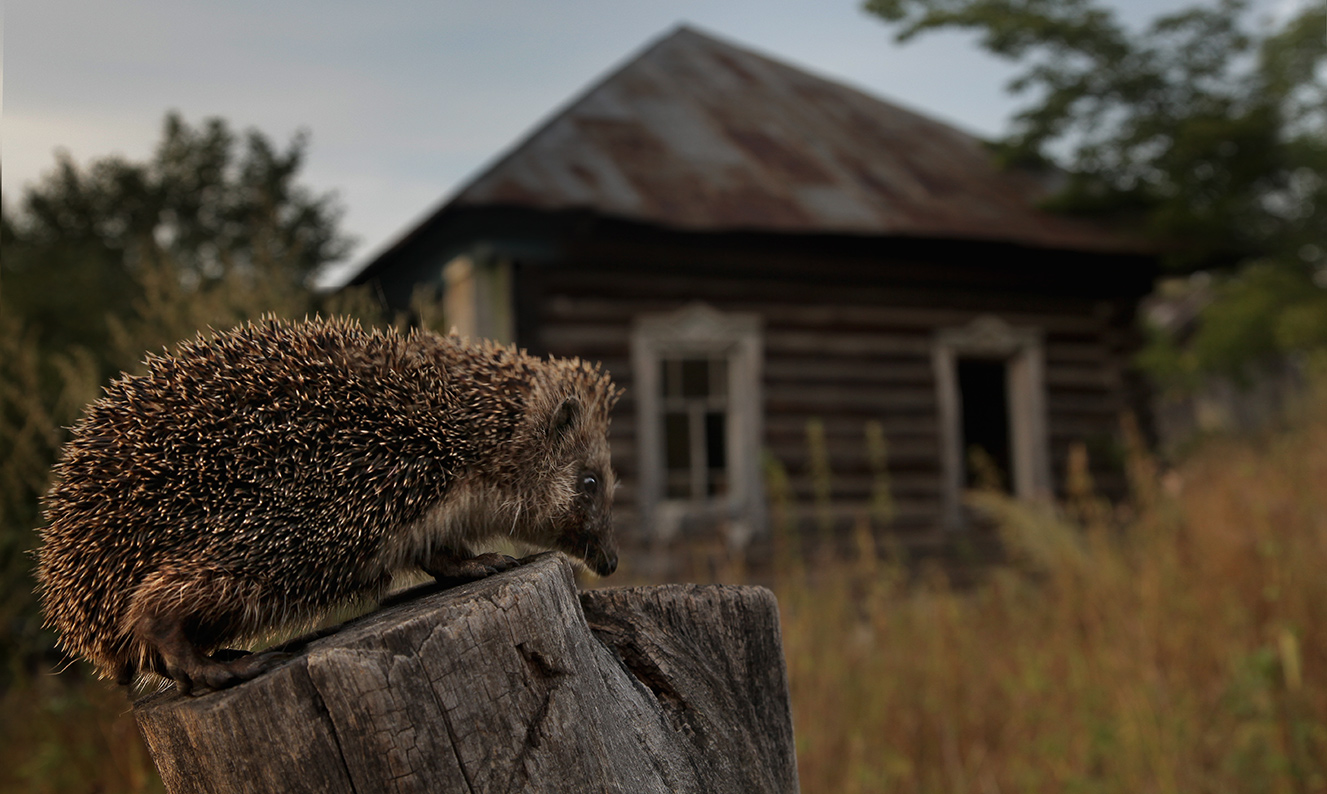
x=718, y=376
x=695, y=377
x=715, y=454
x=677, y=443
x=670, y=375
x=695, y=454
x=715, y=441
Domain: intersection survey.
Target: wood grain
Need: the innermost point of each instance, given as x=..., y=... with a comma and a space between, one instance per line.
x=513, y=683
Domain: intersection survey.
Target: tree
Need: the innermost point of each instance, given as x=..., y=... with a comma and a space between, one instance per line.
x=1202, y=131
x=84, y=239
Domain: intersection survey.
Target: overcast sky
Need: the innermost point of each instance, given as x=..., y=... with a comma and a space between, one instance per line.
x=406, y=100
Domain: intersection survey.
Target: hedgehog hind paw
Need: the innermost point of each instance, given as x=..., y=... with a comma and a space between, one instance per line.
x=175, y=655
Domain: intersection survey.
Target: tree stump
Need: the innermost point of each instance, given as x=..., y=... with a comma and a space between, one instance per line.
x=512, y=683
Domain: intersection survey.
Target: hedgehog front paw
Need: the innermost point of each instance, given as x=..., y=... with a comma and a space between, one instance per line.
x=468, y=569
x=226, y=669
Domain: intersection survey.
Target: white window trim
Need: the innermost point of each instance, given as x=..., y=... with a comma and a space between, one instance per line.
x=1023, y=350
x=699, y=330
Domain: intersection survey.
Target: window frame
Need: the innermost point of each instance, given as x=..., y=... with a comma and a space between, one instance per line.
x=697, y=330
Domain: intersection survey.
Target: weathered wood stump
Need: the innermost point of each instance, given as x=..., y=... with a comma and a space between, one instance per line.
x=512, y=683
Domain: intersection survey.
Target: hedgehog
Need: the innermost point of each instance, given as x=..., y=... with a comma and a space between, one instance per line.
x=263, y=476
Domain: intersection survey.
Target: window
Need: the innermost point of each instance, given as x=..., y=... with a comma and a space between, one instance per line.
x=694, y=403
x=992, y=406
x=697, y=376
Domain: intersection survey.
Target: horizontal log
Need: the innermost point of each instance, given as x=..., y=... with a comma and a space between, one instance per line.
x=569, y=309
x=1078, y=404
x=922, y=463
x=854, y=426
x=825, y=400
x=860, y=485
x=888, y=371
x=664, y=291
x=783, y=342
x=512, y=683
x=1059, y=354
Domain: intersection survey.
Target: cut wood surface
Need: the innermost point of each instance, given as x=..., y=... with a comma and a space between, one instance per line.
x=513, y=683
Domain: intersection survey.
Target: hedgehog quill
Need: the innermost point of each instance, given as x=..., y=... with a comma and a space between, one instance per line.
x=258, y=478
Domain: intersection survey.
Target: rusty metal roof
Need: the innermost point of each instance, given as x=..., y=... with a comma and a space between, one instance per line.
x=696, y=133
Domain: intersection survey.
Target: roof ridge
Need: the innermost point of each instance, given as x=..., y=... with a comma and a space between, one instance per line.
x=693, y=132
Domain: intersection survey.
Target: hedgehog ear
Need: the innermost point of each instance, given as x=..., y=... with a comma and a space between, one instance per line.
x=565, y=418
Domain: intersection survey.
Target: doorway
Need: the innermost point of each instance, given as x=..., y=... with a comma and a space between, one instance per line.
x=990, y=391
x=983, y=391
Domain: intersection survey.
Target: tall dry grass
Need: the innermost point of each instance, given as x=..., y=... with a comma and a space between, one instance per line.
x=1177, y=646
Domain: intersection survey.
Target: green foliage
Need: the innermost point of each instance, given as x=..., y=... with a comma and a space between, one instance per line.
x=1258, y=313
x=1264, y=309
x=82, y=242
x=1198, y=130
x=210, y=203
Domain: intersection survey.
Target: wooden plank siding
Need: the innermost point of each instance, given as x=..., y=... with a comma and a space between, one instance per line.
x=846, y=353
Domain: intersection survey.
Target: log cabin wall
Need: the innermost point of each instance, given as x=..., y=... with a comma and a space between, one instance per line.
x=874, y=246
x=847, y=340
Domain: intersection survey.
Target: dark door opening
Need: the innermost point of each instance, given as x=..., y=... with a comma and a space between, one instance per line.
x=984, y=393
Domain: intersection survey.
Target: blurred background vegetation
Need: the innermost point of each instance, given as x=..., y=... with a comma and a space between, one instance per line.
x=1205, y=131
x=1172, y=643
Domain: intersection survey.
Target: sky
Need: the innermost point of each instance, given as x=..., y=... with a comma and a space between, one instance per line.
x=405, y=101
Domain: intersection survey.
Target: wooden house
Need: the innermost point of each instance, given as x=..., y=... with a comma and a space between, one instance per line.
x=777, y=267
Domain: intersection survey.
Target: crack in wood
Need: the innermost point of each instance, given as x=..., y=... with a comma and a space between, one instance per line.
x=301, y=674
x=626, y=643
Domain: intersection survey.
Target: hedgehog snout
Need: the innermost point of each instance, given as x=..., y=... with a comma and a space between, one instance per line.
x=606, y=563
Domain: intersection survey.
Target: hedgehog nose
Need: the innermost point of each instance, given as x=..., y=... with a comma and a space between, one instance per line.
x=607, y=564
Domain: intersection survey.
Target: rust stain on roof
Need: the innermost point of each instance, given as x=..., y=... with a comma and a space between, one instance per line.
x=696, y=133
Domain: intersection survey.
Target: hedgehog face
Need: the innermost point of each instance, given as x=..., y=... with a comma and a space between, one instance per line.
x=587, y=532
x=583, y=526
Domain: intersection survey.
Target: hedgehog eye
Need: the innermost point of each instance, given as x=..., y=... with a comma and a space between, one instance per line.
x=588, y=482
